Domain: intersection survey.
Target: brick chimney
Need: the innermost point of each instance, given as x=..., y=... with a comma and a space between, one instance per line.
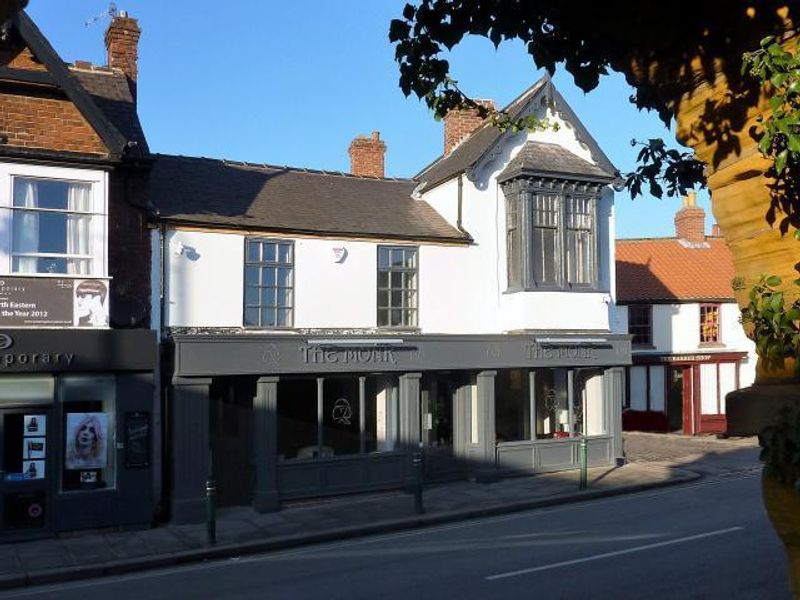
x=460, y=123
x=122, y=43
x=690, y=221
x=367, y=155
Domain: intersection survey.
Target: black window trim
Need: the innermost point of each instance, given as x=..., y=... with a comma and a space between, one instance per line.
x=522, y=191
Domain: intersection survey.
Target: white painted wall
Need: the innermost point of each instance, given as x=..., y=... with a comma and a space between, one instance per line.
x=462, y=289
x=676, y=330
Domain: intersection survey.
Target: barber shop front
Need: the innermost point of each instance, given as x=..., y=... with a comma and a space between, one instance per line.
x=75, y=424
x=276, y=418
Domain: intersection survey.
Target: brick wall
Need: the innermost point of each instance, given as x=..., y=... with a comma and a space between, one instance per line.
x=21, y=59
x=128, y=249
x=458, y=124
x=122, y=41
x=48, y=123
x=367, y=155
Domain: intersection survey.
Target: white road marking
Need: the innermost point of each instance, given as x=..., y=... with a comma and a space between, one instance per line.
x=567, y=563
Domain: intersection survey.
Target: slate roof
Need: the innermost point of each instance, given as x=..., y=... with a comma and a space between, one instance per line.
x=215, y=192
x=552, y=159
x=664, y=269
x=474, y=147
x=110, y=92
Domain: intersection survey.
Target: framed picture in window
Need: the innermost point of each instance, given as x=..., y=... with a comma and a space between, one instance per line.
x=86, y=441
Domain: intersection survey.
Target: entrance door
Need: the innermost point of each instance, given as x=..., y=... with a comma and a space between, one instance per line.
x=675, y=412
x=25, y=472
x=231, y=440
x=437, y=428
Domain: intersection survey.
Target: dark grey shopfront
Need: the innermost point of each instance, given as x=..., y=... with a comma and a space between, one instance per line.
x=291, y=416
x=76, y=411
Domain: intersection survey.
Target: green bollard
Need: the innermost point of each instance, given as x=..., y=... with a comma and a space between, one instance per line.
x=584, y=449
x=417, y=462
x=211, y=510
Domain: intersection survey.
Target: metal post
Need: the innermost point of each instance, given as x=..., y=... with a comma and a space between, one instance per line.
x=417, y=462
x=211, y=510
x=584, y=450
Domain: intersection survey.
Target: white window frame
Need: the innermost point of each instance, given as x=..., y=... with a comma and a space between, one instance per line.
x=98, y=179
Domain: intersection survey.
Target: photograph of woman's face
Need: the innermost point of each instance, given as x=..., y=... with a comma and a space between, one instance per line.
x=86, y=440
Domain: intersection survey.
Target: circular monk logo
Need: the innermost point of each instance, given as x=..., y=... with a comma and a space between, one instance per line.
x=6, y=341
x=342, y=413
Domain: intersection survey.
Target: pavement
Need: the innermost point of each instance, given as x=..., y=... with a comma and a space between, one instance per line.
x=654, y=460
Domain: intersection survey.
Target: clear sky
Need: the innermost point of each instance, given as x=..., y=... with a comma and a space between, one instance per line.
x=291, y=83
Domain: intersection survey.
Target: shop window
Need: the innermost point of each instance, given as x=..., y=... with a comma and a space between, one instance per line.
x=320, y=418
x=640, y=324
x=512, y=405
x=397, y=286
x=268, y=283
x=88, y=427
x=437, y=412
x=709, y=324
x=591, y=418
x=56, y=228
x=552, y=407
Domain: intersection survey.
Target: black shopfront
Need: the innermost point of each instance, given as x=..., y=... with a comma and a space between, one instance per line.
x=277, y=418
x=76, y=424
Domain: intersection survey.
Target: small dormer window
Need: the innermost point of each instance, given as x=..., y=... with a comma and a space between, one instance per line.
x=551, y=234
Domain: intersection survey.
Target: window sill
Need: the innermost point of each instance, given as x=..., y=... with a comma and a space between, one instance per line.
x=711, y=345
x=578, y=290
x=398, y=329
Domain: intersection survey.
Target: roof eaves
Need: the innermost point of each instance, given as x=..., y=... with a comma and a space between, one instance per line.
x=112, y=138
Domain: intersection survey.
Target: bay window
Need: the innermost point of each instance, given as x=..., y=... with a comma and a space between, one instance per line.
x=551, y=234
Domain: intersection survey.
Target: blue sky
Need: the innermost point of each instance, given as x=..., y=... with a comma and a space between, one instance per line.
x=293, y=82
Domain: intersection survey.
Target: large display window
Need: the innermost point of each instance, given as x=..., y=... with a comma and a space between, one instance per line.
x=336, y=416
x=88, y=428
x=512, y=405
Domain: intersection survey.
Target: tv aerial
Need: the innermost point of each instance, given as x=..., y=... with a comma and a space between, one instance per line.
x=111, y=11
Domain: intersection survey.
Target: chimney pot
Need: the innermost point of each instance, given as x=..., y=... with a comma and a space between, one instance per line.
x=367, y=155
x=461, y=123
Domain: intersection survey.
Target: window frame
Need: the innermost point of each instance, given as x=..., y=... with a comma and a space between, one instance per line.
x=649, y=309
x=718, y=308
x=404, y=291
x=276, y=264
x=522, y=193
x=97, y=179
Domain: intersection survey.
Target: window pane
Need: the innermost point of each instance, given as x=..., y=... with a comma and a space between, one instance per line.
x=268, y=275
x=251, y=296
x=268, y=252
x=396, y=317
x=396, y=299
x=552, y=410
x=383, y=257
x=268, y=296
x=284, y=317
x=297, y=418
x=383, y=279
x=251, y=316
x=381, y=414
x=512, y=405
x=284, y=298
x=383, y=299
x=251, y=276
x=284, y=277
x=285, y=254
x=397, y=258
x=268, y=317
x=253, y=251
x=410, y=317
x=383, y=317
x=340, y=418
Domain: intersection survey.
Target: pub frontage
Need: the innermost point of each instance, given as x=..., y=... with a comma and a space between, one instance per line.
x=281, y=417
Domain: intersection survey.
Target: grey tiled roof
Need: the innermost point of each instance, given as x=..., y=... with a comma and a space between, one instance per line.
x=544, y=158
x=110, y=92
x=215, y=192
x=470, y=151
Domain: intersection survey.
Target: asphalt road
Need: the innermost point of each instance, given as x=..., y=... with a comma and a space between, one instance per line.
x=709, y=539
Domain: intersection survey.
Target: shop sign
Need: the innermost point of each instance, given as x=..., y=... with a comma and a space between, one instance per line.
x=362, y=356
x=685, y=358
x=53, y=302
x=573, y=351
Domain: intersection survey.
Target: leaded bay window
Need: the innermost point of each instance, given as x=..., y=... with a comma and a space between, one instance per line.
x=551, y=234
x=397, y=286
x=54, y=227
x=268, y=283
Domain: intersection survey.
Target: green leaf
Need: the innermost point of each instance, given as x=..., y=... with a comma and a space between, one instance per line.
x=773, y=281
x=780, y=161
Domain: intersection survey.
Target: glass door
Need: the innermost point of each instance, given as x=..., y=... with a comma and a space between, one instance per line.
x=24, y=471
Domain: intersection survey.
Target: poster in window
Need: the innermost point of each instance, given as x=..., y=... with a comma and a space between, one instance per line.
x=86, y=441
x=34, y=425
x=33, y=448
x=137, y=440
x=33, y=469
x=90, y=303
